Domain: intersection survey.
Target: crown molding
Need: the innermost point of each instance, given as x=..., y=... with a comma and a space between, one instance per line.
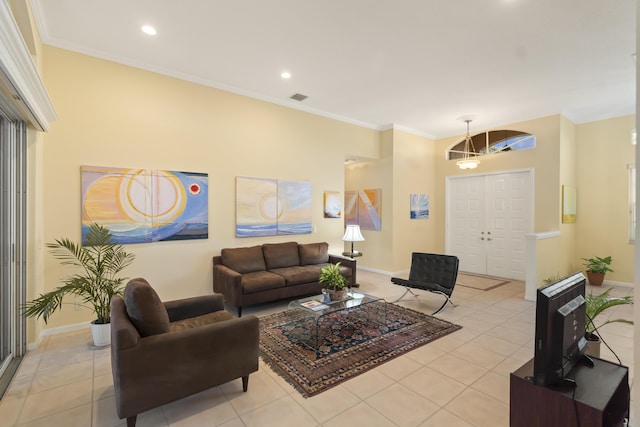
x=19, y=78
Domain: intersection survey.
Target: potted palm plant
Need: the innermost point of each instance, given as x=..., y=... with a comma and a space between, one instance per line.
x=595, y=305
x=335, y=282
x=100, y=262
x=596, y=268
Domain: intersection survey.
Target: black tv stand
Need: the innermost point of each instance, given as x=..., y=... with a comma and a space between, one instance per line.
x=600, y=397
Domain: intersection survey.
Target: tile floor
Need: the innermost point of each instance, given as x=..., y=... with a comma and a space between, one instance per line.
x=459, y=380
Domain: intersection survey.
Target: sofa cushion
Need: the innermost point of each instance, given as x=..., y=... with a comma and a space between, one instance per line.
x=244, y=260
x=280, y=255
x=259, y=281
x=313, y=253
x=145, y=309
x=299, y=274
x=198, y=321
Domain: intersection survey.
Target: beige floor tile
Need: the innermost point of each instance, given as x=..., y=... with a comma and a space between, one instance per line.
x=46, y=379
x=402, y=405
x=105, y=415
x=459, y=369
x=236, y=422
x=507, y=366
x=448, y=343
x=283, y=412
x=496, y=345
x=52, y=401
x=494, y=385
x=208, y=408
x=433, y=385
x=361, y=415
x=328, y=404
x=478, y=355
x=102, y=386
x=263, y=389
x=10, y=407
x=425, y=354
x=509, y=334
x=479, y=410
x=75, y=417
x=366, y=384
x=444, y=418
x=399, y=367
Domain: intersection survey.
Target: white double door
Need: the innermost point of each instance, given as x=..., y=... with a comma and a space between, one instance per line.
x=488, y=217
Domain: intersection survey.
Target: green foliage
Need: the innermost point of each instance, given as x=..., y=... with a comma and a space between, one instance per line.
x=331, y=277
x=597, y=264
x=100, y=261
x=596, y=304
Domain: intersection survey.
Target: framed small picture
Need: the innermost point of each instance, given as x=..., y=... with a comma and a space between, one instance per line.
x=332, y=204
x=419, y=206
x=569, y=203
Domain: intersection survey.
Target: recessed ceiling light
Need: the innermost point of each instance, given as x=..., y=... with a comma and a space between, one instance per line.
x=148, y=29
x=285, y=75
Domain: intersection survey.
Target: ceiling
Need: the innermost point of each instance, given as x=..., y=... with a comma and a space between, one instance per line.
x=416, y=64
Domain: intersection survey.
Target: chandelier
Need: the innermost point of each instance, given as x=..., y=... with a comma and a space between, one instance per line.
x=468, y=162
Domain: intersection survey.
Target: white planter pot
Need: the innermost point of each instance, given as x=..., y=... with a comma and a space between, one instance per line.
x=101, y=334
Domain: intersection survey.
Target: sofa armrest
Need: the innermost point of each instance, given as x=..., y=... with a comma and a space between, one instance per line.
x=228, y=282
x=345, y=262
x=192, y=307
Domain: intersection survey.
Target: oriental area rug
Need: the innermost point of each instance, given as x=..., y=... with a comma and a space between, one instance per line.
x=348, y=343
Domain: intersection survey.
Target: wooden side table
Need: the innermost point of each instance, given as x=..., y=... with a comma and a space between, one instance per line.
x=353, y=255
x=600, y=399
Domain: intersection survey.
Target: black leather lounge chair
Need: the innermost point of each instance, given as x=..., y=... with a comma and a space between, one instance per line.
x=431, y=272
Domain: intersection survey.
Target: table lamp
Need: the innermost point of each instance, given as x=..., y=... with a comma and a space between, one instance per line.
x=352, y=234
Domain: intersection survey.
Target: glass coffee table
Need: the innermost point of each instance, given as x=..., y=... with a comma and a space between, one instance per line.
x=316, y=321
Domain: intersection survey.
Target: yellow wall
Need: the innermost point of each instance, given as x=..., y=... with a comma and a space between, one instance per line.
x=119, y=116
x=603, y=153
x=114, y=115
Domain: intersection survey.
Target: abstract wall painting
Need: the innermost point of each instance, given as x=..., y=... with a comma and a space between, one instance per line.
x=351, y=207
x=569, y=203
x=370, y=209
x=419, y=206
x=332, y=204
x=145, y=205
x=270, y=207
x=364, y=208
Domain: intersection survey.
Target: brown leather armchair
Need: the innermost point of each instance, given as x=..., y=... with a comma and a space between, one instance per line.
x=162, y=352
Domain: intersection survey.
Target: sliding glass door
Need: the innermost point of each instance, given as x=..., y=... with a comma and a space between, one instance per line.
x=13, y=262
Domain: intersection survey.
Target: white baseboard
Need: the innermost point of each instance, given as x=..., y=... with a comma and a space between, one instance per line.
x=58, y=330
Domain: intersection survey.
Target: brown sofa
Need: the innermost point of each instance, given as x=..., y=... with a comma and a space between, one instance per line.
x=162, y=352
x=274, y=271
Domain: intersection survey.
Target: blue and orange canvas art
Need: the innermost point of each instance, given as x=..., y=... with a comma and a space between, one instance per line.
x=270, y=207
x=145, y=205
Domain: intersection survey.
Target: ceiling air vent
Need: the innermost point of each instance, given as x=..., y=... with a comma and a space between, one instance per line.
x=298, y=97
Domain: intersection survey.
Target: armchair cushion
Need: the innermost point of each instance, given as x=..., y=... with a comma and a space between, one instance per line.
x=205, y=319
x=314, y=253
x=145, y=309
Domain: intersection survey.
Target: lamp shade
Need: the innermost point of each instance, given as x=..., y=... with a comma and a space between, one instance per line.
x=353, y=234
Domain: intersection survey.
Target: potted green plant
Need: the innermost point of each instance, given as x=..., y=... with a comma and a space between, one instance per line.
x=595, y=305
x=334, y=281
x=100, y=261
x=596, y=268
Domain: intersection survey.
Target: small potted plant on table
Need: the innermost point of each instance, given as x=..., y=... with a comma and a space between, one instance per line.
x=334, y=281
x=596, y=268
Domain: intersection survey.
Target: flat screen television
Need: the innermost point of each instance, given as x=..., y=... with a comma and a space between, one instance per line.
x=560, y=330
